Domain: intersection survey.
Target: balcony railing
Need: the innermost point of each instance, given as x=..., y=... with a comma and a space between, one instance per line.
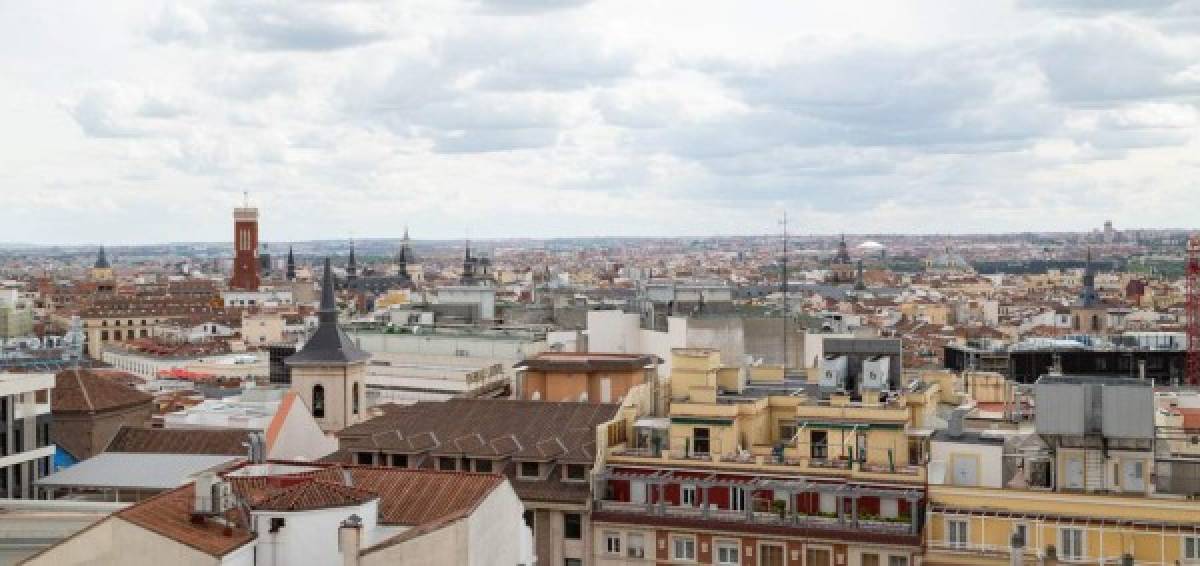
x=899, y=527
x=763, y=459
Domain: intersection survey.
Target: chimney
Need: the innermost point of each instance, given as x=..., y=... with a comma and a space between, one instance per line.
x=203, y=498
x=350, y=539
x=955, y=428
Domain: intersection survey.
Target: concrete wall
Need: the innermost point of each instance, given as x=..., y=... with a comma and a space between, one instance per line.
x=339, y=387
x=989, y=470
x=309, y=537
x=447, y=545
x=497, y=535
x=514, y=349
x=117, y=542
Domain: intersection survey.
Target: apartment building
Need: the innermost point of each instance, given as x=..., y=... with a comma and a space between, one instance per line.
x=1089, y=481
x=26, y=453
x=757, y=468
x=546, y=449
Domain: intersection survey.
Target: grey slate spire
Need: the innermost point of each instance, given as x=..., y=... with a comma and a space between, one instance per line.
x=1088, y=296
x=291, y=265
x=352, y=266
x=101, y=260
x=329, y=345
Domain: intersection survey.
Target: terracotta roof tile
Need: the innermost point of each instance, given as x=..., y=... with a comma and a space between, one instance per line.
x=169, y=514
x=179, y=441
x=311, y=495
x=82, y=391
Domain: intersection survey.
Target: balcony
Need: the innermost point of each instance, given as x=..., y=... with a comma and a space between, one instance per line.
x=763, y=458
x=900, y=531
x=765, y=505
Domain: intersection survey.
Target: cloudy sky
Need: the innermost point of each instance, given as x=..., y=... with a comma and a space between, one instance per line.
x=143, y=121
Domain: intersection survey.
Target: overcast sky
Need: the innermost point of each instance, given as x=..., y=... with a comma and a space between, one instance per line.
x=143, y=121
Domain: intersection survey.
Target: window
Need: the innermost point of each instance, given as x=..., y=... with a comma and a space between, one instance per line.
x=787, y=432
x=771, y=555
x=1021, y=530
x=399, y=460
x=956, y=533
x=530, y=470
x=572, y=562
x=318, y=400
x=612, y=542
x=728, y=553
x=572, y=526
x=447, y=464
x=365, y=459
x=687, y=496
x=1070, y=544
x=528, y=516
x=1191, y=548
x=483, y=466
x=818, y=444
x=869, y=559
x=700, y=441
x=818, y=557
x=683, y=548
x=898, y=561
x=576, y=472
x=354, y=401
x=737, y=499
x=635, y=546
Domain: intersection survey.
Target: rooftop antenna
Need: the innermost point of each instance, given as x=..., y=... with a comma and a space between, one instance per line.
x=245, y=199
x=784, y=284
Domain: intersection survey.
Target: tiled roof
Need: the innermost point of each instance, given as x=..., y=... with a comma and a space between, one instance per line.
x=179, y=441
x=311, y=495
x=169, y=514
x=413, y=498
x=81, y=391
x=523, y=430
x=407, y=497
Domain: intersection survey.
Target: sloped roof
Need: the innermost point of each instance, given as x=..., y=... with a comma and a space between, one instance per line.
x=179, y=441
x=312, y=495
x=523, y=430
x=82, y=391
x=169, y=514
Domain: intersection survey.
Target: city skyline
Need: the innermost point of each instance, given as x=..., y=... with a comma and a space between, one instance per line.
x=144, y=121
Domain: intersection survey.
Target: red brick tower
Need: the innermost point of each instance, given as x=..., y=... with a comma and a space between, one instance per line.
x=245, y=248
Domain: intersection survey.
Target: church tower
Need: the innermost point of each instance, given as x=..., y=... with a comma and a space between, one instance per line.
x=245, y=248
x=329, y=372
x=291, y=265
x=102, y=271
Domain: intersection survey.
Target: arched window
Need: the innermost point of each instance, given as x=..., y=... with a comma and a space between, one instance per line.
x=319, y=401
x=354, y=403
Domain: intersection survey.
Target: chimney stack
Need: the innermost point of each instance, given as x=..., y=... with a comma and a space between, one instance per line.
x=350, y=540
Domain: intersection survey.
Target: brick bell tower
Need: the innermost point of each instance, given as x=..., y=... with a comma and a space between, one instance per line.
x=245, y=247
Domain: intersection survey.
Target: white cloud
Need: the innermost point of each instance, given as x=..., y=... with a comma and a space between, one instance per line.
x=537, y=117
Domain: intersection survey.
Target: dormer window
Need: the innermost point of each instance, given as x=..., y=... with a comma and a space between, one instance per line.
x=575, y=472
x=448, y=464
x=484, y=466
x=529, y=471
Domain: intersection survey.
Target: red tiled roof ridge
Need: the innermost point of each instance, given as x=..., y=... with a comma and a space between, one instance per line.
x=314, y=494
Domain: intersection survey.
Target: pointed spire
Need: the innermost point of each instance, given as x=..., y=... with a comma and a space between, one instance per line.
x=291, y=265
x=102, y=260
x=327, y=312
x=352, y=266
